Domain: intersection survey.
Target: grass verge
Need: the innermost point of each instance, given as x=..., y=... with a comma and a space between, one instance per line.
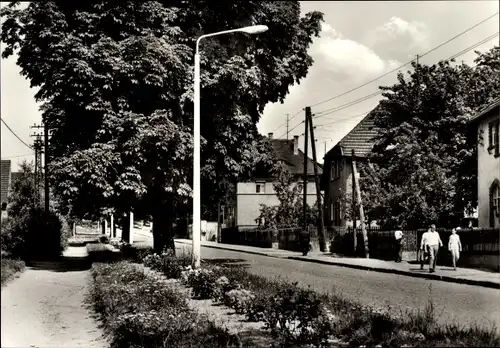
x=138, y=309
x=360, y=325
x=10, y=268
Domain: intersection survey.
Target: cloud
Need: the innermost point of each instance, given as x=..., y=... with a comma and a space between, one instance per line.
x=344, y=58
x=399, y=39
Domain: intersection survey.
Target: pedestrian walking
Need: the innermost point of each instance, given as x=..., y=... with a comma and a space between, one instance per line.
x=398, y=236
x=434, y=242
x=424, y=248
x=455, y=247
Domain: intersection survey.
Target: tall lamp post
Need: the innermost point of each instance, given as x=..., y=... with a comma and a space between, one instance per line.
x=255, y=29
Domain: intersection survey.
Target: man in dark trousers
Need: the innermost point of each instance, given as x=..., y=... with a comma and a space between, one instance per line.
x=305, y=241
x=398, y=236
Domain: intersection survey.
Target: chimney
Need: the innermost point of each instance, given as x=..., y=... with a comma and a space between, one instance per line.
x=295, y=144
x=270, y=135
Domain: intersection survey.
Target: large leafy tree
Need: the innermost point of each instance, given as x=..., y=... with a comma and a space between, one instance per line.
x=423, y=167
x=114, y=80
x=289, y=212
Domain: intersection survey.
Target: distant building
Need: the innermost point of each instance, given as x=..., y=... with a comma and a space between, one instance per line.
x=337, y=170
x=486, y=123
x=5, y=181
x=251, y=194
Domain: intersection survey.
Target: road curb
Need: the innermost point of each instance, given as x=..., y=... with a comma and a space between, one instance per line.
x=243, y=251
x=430, y=276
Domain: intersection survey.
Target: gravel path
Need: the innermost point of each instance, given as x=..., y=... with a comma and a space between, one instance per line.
x=45, y=308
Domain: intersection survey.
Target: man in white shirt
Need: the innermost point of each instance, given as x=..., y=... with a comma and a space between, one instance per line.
x=424, y=248
x=434, y=242
x=398, y=235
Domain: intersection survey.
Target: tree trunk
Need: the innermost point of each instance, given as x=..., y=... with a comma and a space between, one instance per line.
x=126, y=227
x=163, y=232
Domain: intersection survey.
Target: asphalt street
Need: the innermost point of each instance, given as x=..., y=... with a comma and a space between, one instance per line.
x=464, y=304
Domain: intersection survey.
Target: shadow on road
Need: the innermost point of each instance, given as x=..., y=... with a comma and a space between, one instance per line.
x=225, y=262
x=66, y=264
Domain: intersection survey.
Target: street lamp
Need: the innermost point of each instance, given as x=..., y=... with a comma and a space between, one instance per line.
x=255, y=29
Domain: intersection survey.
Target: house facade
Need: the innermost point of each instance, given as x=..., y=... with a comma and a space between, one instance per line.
x=5, y=180
x=337, y=171
x=487, y=123
x=260, y=190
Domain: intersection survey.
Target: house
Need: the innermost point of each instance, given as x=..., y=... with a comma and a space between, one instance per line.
x=337, y=170
x=251, y=194
x=5, y=167
x=486, y=122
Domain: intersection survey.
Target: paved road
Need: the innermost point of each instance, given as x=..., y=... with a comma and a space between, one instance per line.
x=464, y=304
x=45, y=308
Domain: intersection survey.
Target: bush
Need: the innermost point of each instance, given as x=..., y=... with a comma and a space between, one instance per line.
x=135, y=253
x=240, y=300
x=10, y=268
x=203, y=283
x=25, y=235
x=139, y=310
x=174, y=266
x=154, y=261
x=296, y=315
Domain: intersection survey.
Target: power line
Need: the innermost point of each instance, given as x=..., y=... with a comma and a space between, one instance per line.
x=284, y=123
x=402, y=66
x=372, y=95
x=9, y=157
x=21, y=140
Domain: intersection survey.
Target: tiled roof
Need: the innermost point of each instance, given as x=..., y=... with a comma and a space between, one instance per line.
x=283, y=150
x=4, y=179
x=485, y=110
x=360, y=138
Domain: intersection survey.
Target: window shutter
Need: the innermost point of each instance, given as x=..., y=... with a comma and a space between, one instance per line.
x=496, y=138
x=490, y=135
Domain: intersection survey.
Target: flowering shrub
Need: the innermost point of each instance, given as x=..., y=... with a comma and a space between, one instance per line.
x=153, y=261
x=203, y=283
x=221, y=287
x=257, y=309
x=240, y=300
x=174, y=266
x=140, y=311
x=296, y=315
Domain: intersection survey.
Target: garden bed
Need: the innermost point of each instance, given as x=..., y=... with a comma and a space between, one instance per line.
x=295, y=316
x=10, y=269
x=140, y=309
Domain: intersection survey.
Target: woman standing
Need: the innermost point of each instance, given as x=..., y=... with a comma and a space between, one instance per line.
x=455, y=247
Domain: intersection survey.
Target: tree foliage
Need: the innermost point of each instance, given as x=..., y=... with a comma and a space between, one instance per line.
x=289, y=212
x=115, y=82
x=423, y=168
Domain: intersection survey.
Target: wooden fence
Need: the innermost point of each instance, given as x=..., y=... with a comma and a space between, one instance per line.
x=480, y=247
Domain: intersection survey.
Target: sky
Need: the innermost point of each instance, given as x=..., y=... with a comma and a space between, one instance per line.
x=360, y=41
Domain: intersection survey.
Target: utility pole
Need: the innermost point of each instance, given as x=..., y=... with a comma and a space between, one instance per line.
x=354, y=215
x=361, y=210
x=46, y=174
x=321, y=222
x=37, y=145
x=304, y=190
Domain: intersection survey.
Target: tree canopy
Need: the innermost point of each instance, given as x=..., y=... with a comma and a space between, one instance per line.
x=115, y=82
x=423, y=167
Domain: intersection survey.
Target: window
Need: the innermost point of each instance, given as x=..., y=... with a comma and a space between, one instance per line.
x=260, y=187
x=332, y=218
x=493, y=138
x=495, y=204
x=335, y=169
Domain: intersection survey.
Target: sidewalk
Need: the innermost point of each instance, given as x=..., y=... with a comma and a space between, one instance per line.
x=46, y=307
x=444, y=273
